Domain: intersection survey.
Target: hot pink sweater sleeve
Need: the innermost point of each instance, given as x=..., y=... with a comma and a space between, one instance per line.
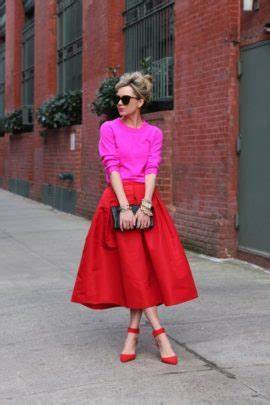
x=133, y=152
x=154, y=157
x=107, y=149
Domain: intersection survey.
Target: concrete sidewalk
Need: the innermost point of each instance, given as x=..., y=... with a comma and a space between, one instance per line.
x=57, y=352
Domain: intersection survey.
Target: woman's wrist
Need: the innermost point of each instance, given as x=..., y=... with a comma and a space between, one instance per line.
x=146, y=206
x=124, y=206
x=147, y=203
x=124, y=203
x=147, y=199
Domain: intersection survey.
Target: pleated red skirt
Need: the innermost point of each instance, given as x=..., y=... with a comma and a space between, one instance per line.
x=136, y=268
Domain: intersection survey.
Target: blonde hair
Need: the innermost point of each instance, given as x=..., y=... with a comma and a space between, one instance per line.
x=140, y=83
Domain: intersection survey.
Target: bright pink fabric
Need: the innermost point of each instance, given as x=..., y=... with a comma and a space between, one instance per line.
x=133, y=152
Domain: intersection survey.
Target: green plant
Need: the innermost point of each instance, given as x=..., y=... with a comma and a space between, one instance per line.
x=146, y=65
x=13, y=123
x=104, y=101
x=63, y=110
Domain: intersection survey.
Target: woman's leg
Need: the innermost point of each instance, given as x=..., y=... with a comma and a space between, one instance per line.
x=163, y=342
x=130, y=342
x=135, y=318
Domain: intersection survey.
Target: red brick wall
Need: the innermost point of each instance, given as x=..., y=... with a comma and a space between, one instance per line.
x=45, y=84
x=206, y=97
x=20, y=163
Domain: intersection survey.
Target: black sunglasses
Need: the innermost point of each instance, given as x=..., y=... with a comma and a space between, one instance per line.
x=125, y=99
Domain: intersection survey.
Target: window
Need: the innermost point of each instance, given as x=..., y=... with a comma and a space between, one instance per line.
x=2, y=79
x=69, y=48
x=28, y=48
x=149, y=33
x=2, y=56
x=2, y=18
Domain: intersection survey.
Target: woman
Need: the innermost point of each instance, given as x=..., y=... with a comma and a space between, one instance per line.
x=137, y=266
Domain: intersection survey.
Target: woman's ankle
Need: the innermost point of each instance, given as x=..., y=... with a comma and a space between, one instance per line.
x=156, y=327
x=134, y=326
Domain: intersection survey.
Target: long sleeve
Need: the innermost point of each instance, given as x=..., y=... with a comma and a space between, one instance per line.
x=155, y=154
x=107, y=149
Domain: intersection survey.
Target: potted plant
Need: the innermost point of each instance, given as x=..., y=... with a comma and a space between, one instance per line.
x=60, y=111
x=14, y=123
x=104, y=101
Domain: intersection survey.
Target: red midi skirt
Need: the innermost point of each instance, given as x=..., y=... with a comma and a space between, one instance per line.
x=135, y=268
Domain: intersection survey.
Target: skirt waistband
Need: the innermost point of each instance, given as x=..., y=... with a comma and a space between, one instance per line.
x=129, y=184
x=134, y=191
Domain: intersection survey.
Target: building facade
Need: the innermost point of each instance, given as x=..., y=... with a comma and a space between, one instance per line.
x=210, y=62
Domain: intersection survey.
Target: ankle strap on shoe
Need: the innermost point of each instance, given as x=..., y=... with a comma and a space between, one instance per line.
x=158, y=331
x=134, y=330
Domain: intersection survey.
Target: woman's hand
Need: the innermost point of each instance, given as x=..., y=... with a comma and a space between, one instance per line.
x=143, y=220
x=127, y=220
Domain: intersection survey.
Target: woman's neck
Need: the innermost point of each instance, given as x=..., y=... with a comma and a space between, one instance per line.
x=133, y=121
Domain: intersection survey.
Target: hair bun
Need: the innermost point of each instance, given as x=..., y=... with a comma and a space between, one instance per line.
x=148, y=77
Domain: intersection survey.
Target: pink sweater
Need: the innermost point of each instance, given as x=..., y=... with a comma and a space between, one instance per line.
x=133, y=152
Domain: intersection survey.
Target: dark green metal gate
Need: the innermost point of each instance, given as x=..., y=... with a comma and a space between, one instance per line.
x=254, y=149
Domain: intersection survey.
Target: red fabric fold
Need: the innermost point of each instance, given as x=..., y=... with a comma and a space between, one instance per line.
x=135, y=268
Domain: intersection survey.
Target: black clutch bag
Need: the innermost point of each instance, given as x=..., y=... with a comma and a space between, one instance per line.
x=116, y=212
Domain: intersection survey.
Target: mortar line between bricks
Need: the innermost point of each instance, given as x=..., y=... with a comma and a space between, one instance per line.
x=214, y=366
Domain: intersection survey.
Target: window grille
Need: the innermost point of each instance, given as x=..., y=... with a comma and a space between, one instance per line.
x=69, y=48
x=2, y=55
x=2, y=18
x=149, y=32
x=2, y=78
x=28, y=62
x=28, y=6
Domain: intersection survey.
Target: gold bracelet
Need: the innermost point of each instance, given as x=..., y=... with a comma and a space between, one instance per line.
x=146, y=203
x=146, y=211
x=125, y=209
x=126, y=205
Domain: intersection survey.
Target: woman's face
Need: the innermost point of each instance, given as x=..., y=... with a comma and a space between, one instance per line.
x=133, y=105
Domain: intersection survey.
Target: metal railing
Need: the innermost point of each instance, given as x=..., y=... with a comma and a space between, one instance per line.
x=2, y=17
x=69, y=48
x=28, y=62
x=2, y=78
x=149, y=32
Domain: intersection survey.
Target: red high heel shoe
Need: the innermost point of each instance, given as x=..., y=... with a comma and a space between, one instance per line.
x=128, y=357
x=170, y=359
